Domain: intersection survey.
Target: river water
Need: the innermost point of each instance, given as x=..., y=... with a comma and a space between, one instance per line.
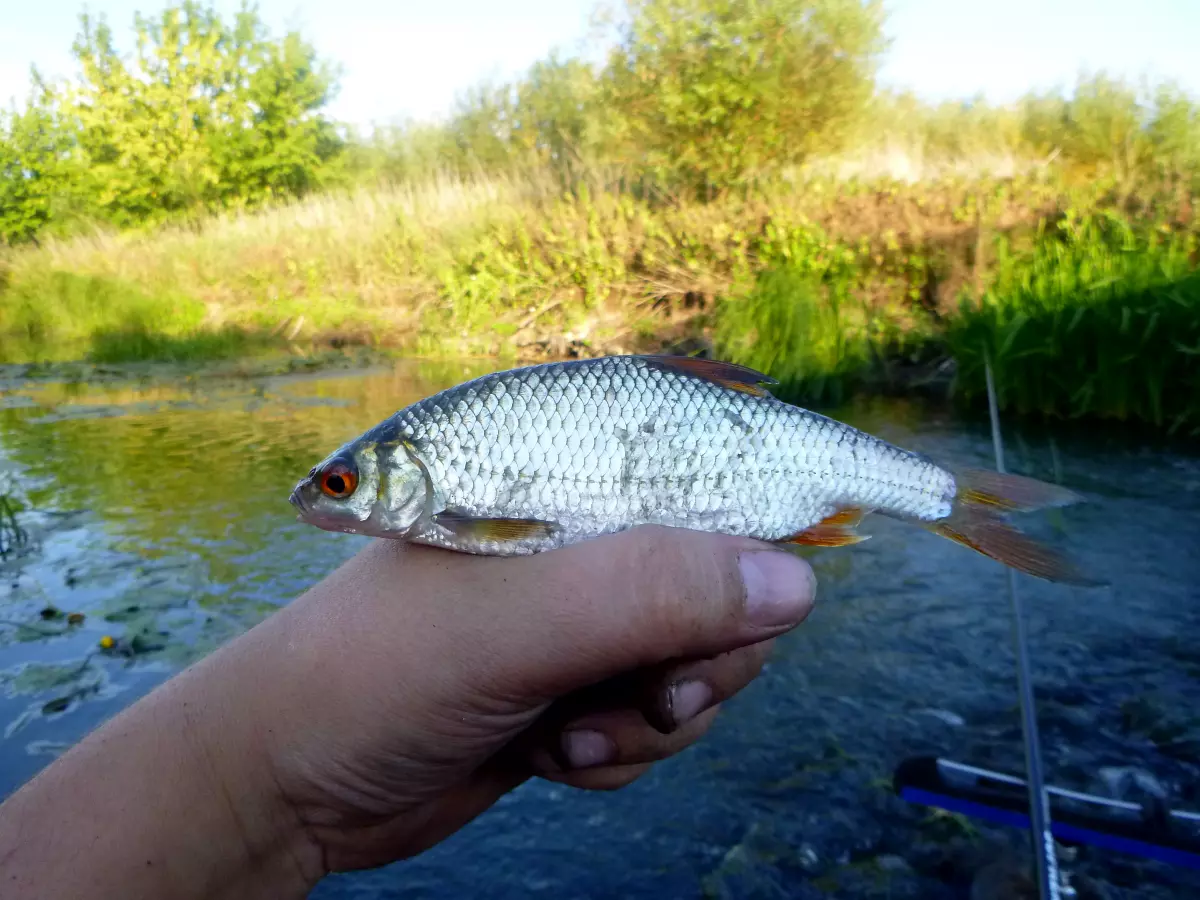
x=157, y=508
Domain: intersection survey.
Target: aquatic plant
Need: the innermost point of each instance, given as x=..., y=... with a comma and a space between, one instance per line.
x=14, y=536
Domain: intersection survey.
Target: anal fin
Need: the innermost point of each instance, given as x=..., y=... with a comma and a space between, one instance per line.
x=481, y=529
x=837, y=530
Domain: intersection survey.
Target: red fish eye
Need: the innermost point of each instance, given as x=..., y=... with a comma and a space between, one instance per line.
x=339, y=481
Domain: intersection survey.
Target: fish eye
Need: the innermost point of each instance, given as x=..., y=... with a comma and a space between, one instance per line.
x=339, y=480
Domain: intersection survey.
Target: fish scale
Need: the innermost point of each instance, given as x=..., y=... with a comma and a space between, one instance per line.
x=598, y=446
x=543, y=456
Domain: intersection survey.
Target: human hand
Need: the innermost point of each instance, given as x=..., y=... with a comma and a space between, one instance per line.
x=414, y=687
x=395, y=701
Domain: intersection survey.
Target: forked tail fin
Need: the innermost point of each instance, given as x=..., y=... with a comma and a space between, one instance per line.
x=976, y=522
x=1010, y=493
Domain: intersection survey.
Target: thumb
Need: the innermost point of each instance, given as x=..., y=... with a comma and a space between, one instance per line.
x=588, y=612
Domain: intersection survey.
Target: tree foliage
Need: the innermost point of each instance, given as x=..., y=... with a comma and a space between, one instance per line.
x=34, y=167
x=719, y=92
x=204, y=114
x=694, y=97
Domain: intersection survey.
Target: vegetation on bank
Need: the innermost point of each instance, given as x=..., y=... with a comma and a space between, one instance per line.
x=1084, y=309
x=192, y=202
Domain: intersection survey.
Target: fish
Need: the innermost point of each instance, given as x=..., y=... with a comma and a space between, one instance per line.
x=542, y=456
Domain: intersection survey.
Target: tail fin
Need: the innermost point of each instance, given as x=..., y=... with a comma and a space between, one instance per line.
x=1010, y=493
x=975, y=521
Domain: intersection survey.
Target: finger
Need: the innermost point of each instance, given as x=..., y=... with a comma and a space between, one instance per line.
x=579, y=615
x=608, y=778
x=680, y=692
x=614, y=738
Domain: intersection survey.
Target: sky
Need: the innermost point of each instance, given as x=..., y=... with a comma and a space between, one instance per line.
x=402, y=58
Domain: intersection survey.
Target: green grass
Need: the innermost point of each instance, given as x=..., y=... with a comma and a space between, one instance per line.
x=1097, y=320
x=63, y=316
x=53, y=315
x=805, y=328
x=1085, y=296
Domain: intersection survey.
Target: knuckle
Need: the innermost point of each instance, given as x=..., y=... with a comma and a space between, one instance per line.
x=608, y=778
x=682, y=579
x=645, y=745
x=753, y=660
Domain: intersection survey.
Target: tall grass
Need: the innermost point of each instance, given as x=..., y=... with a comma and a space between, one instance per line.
x=355, y=264
x=61, y=314
x=1086, y=292
x=1097, y=319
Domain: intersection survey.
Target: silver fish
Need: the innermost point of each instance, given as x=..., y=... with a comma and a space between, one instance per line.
x=539, y=457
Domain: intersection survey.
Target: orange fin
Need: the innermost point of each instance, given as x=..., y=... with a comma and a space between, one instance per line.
x=1010, y=493
x=837, y=530
x=986, y=533
x=730, y=375
x=493, y=529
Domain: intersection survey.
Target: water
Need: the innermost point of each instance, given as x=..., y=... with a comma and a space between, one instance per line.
x=158, y=509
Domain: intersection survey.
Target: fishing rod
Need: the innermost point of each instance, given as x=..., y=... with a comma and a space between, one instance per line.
x=1151, y=829
x=1044, y=855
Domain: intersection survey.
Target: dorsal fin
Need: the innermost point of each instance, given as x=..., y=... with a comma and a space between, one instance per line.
x=726, y=374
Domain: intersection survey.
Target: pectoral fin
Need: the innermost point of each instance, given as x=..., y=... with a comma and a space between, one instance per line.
x=473, y=528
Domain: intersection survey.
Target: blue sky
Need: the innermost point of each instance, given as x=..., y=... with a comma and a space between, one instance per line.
x=402, y=57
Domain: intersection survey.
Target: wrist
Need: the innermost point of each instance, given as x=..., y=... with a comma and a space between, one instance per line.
x=234, y=739
x=173, y=797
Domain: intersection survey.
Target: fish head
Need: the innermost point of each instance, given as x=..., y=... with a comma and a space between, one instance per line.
x=365, y=488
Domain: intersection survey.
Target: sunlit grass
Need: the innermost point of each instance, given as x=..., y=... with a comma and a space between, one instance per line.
x=822, y=281
x=1096, y=320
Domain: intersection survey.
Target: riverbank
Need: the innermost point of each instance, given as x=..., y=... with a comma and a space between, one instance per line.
x=1085, y=295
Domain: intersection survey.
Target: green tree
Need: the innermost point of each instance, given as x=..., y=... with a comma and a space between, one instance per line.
x=560, y=121
x=720, y=92
x=1105, y=124
x=1174, y=133
x=481, y=128
x=35, y=166
x=402, y=153
x=205, y=115
x=277, y=143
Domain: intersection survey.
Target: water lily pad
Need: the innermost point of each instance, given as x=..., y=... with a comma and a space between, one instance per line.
x=57, y=705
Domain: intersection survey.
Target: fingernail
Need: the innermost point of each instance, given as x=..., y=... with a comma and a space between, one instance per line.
x=585, y=749
x=779, y=587
x=688, y=699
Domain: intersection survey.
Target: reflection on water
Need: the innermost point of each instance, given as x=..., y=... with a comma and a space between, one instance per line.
x=159, y=511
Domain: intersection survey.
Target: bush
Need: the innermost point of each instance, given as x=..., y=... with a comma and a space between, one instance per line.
x=718, y=93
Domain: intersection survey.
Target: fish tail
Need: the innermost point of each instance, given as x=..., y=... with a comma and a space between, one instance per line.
x=1010, y=493
x=976, y=521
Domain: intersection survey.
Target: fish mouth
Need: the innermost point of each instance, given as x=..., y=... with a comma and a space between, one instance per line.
x=297, y=499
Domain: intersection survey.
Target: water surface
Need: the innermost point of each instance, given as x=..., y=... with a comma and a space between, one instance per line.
x=158, y=509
